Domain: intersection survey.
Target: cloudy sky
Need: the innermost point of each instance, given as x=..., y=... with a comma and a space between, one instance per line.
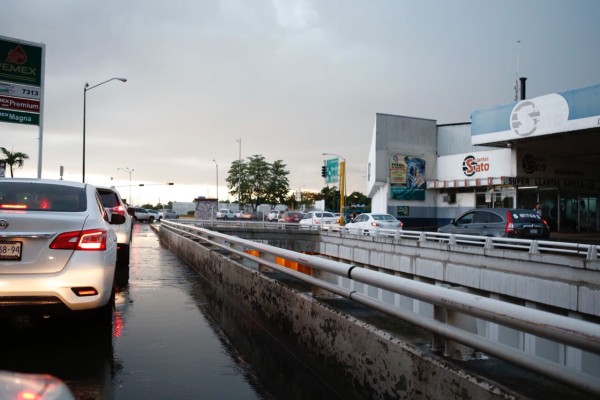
x=291, y=79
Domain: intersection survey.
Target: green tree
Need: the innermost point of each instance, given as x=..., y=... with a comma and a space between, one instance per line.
x=15, y=160
x=257, y=181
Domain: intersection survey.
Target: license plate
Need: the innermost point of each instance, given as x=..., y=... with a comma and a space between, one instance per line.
x=533, y=231
x=10, y=251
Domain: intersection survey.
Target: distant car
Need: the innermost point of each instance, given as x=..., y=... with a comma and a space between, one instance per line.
x=57, y=250
x=16, y=385
x=368, y=223
x=274, y=215
x=245, y=215
x=140, y=214
x=315, y=218
x=291, y=217
x=170, y=214
x=113, y=203
x=225, y=213
x=156, y=214
x=499, y=222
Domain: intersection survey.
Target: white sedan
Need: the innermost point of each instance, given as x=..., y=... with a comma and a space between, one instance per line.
x=57, y=250
x=368, y=223
x=318, y=218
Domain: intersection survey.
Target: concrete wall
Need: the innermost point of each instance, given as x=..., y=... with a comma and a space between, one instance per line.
x=373, y=363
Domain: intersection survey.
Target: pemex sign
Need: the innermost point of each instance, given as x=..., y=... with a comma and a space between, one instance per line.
x=21, y=81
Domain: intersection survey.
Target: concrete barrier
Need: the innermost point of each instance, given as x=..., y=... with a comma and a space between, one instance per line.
x=374, y=363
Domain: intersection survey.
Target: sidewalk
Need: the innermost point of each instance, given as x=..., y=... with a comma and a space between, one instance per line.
x=576, y=237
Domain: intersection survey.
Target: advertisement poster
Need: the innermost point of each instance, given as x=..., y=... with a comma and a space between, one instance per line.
x=407, y=178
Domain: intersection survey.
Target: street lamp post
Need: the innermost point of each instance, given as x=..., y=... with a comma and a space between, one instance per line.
x=217, y=165
x=87, y=87
x=240, y=174
x=129, y=171
x=342, y=187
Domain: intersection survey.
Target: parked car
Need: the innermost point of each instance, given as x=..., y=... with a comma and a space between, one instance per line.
x=291, y=217
x=57, y=250
x=499, y=222
x=368, y=223
x=113, y=203
x=156, y=214
x=225, y=213
x=245, y=215
x=315, y=218
x=274, y=215
x=170, y=214
x=140, y=214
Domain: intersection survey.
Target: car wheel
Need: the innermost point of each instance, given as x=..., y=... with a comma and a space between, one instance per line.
x=150, y=220
x=123, y=256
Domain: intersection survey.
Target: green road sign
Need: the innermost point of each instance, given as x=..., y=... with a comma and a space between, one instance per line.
x=333, y=170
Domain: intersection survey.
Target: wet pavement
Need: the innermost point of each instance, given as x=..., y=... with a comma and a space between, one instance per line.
x=173, y=337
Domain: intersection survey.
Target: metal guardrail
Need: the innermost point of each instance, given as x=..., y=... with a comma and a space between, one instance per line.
x=588, y=251
x=569, y=331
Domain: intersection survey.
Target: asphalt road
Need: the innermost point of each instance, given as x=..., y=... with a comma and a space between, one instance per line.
x=173, y=337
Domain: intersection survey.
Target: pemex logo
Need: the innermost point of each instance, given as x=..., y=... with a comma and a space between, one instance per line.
x=16, y=56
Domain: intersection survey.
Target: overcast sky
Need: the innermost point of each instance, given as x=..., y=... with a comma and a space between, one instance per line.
x=290, y=78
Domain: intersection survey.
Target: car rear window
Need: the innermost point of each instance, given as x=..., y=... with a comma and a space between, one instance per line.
x=35, y=196
x=109, y=199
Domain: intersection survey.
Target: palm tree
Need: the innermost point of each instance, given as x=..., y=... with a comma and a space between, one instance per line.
x=13, y=159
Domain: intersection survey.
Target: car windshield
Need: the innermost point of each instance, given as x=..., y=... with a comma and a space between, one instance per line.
x=35, y=196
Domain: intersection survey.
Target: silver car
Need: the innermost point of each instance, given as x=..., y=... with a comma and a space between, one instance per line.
x=57, y=250
x=113, y=203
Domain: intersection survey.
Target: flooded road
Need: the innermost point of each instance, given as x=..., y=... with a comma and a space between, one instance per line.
x=173, y=337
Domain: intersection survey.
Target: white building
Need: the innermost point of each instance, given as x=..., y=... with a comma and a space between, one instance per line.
x=544, y=149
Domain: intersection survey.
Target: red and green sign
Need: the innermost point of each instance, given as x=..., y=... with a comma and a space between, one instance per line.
x=20, y=62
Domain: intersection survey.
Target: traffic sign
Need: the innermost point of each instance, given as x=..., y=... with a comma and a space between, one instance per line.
x=333, y=170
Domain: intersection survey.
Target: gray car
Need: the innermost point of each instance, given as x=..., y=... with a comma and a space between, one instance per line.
x=499, y=222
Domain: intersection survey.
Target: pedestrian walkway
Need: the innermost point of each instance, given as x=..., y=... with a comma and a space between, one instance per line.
x=576, y=237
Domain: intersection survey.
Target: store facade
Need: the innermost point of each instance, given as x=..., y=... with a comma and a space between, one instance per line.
x=544, y=149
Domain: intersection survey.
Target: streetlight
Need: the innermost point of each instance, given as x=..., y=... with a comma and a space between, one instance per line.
x=342, y=186
x=217, y=165
x=129, y=171
x=240, y=175
x=87, y=87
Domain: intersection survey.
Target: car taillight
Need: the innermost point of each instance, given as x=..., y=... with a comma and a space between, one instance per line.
x=510, y=227
x=117, y=210
x=92, y=239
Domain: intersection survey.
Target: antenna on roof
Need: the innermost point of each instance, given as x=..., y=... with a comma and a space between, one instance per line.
x=517, y=74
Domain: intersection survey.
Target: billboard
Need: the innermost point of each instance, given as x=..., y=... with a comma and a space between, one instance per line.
x=407, y=177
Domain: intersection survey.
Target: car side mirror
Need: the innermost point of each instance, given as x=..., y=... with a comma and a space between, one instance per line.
x=453, y=222
x=116, y=219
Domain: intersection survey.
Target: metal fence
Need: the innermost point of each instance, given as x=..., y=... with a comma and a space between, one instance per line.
x=561, y=329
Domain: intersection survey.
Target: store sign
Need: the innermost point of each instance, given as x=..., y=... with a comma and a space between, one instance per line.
x=545, y=115
x=15, y=90
x=20, y=62
x=550, y=182
x=21, y=73
x=475, y=165
x=18, y=104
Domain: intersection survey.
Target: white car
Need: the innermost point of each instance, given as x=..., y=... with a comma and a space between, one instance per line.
x=318, y=218
x=225, y=213
x=113, y=203
x=370, y=222
x=274, y=215
x=157, y=215
x=57, y=249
